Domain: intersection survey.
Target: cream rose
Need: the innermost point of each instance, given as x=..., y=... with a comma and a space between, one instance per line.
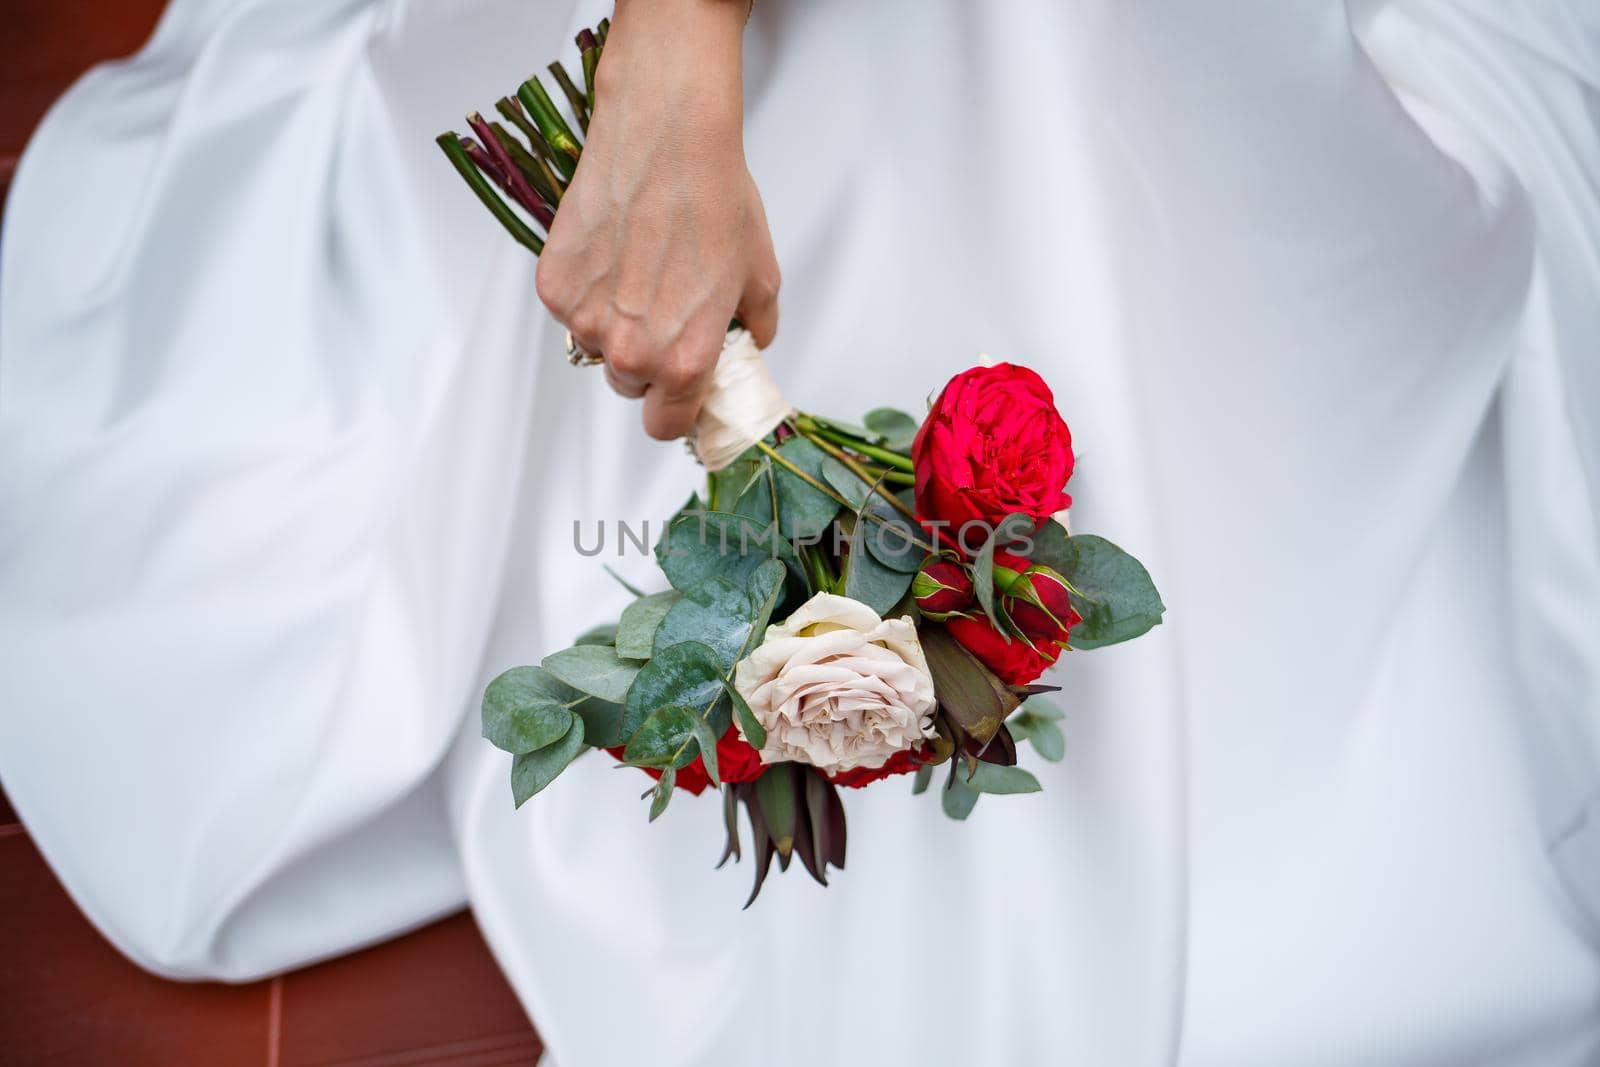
x=838, y=687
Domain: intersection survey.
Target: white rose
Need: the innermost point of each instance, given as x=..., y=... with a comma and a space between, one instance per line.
x=837, y=687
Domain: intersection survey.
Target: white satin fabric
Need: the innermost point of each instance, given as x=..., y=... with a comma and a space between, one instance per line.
x=290, y=458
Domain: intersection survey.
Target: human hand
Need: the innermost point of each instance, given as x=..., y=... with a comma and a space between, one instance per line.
x=661, y=237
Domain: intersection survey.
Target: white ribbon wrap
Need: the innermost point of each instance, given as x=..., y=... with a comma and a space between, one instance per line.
x=743, y=405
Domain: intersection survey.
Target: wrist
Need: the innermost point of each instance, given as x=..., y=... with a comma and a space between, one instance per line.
x=705, y=37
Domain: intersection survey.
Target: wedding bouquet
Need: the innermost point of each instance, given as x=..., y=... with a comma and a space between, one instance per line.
x=846, y=602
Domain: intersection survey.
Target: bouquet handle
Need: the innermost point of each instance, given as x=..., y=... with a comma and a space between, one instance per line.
x=742, y=406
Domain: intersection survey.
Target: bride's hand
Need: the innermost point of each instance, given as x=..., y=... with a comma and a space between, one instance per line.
x=661, y=238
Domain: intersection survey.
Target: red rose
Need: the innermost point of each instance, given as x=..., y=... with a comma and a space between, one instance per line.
x=899, y=763
x=736, y=762
x=1012, y=661
x=993, y=445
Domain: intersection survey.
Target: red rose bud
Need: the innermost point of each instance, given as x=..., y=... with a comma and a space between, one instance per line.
x=942, y=586
x=1035, y=597
x=993, y=445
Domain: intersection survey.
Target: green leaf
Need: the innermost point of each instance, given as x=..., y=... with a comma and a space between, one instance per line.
x=532, y=771
x=968, y=691
x=663, y=739
x=604, y=634
x=526, y=709
x=803, y=510
x=636, y=633
x=1048, y=740
x=869, y=581
x=706, y=742
x=957, y=798
x=714, y=544
x=754, y=733
x=1113, y=593
x=661, y=795
x=995, y=779
x=1052, y=547
x=775, y=789
x=593, y=669
x=919, y=783
x=739, y=478
x=602, y=720
x=688, y=674
x=1010, y=528
x=894, y=428
x=1040, y=708
x=721, y=614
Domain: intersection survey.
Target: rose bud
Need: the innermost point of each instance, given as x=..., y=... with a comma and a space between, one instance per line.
x=941, y=587
x=1035, y=598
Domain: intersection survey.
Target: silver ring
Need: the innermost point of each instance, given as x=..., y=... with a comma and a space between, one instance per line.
x=579, y=356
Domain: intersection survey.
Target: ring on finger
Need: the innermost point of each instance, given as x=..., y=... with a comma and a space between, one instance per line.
x=579, y=356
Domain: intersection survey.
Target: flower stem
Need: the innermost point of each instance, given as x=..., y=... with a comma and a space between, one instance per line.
x=888, y=458
x=783, y=461
x=578, y=102
x=519, y=230
x=875, y=484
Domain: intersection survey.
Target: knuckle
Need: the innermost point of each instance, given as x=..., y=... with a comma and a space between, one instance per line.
x=551, y=285
x=626, y=352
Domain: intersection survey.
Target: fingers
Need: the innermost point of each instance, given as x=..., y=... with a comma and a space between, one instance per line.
x=758, y=305
x=758, y=308
x=679, y=387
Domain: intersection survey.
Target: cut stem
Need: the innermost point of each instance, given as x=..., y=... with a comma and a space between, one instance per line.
x=519, y=230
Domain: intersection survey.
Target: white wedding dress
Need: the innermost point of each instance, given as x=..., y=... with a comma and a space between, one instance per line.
x=290, y=460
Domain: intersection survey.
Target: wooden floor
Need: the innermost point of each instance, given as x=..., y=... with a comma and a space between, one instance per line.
x=67, y=997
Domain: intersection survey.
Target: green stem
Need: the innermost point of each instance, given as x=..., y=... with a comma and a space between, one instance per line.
x=883, y=455
x=855, y=468
x=579, y=102
x=783, y=461
x=502, y=212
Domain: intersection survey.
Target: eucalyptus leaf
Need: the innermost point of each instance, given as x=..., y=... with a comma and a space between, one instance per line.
x=755, y=734
x=1048, y=740
x=1113, y=593
x=532, y=771
x=687, y=674
x=721, y=614
x=664, y=739
x=995, y=779
x=957, y=798
x=602, y=720
x=1041, y=708
x=636, y=632
x=706, y=742
x=593, y=669
x=868, y=580
x=715, y=544
x=661, y=795
x=604, y=634
x=525, y=709
x=803, y=510
x=894, y=428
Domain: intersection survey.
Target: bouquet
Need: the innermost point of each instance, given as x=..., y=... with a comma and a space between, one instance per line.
x=846, y=602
